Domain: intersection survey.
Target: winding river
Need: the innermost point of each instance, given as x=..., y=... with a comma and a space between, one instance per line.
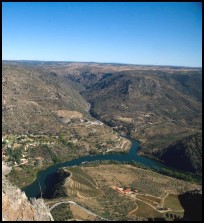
x=46, y=178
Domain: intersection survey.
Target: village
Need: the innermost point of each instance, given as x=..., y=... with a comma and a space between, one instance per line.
x=88, y=135
x=84, y=136
x=15, y=149
x=126, y=190
x=148, y=199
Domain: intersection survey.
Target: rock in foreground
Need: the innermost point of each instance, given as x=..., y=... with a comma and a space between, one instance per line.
x=17, y=207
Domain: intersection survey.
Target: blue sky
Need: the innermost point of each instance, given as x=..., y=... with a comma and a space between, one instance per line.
x=136, y=33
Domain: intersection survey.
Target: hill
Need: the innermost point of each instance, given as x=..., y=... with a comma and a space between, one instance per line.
x=158, y=105
x=99, y=188
x=32, y=99
x=46, y=121
x=184, y=154
x=155, y=107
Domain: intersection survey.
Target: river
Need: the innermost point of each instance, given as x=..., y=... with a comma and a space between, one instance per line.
x=46, y=178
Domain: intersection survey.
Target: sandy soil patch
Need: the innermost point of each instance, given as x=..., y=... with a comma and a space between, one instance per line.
x=69, y=114
x=123, y=119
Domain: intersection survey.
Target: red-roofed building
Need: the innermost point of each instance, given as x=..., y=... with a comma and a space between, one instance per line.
x=127, y=191
x=119, y=189
x=3, y=154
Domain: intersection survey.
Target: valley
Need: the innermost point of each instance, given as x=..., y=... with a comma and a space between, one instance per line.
x=59, y=112
x=102, y=111
x=157, y=105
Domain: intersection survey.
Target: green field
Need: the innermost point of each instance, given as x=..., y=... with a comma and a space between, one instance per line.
x=172, y=202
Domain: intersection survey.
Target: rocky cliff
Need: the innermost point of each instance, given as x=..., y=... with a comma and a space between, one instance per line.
x=17, y=207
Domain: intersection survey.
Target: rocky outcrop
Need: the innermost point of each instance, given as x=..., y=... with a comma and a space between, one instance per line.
x=17, y=207
x=192, y=204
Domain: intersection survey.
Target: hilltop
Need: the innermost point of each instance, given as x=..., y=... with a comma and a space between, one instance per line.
x=155, y=107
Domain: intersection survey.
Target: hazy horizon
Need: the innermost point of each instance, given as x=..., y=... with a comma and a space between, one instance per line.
x=72, y=61
x=161, y=34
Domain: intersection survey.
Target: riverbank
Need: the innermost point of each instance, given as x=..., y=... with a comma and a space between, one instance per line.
x=24, y=175
x=167, y=171
x=45, y=176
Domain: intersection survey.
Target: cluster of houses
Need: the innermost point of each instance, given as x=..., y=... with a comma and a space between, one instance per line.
x=15, y=145
x=126, y=191
x=23, y=160
x=97, y=122
x=7, y=143
x=4, y=151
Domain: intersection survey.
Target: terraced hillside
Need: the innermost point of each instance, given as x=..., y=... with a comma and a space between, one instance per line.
x=81, y=184
x=95, y=187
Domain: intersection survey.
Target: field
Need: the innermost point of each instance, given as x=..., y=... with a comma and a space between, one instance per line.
x=93, y=188
x=69, y=114
x=128, y=120
x=172, y=202
x=150, y=199
x=79, y=213
x=146, y=211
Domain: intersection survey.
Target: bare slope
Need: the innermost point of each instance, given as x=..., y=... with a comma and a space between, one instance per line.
x=156, y=107
x=31, y=100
